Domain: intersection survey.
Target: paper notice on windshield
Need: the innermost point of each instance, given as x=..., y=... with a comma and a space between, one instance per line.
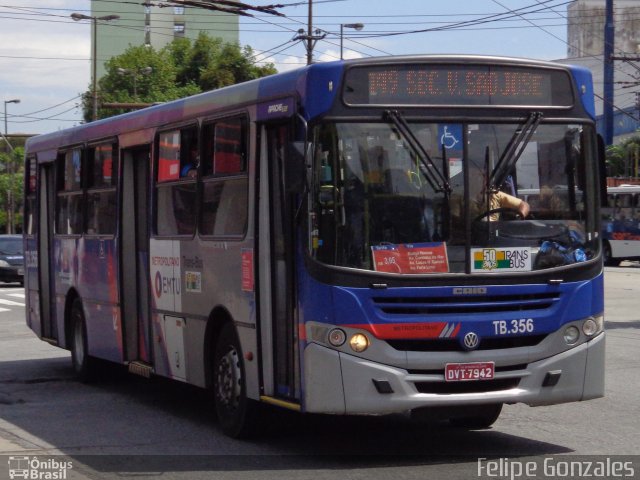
x=514, y=259
x=411, y=258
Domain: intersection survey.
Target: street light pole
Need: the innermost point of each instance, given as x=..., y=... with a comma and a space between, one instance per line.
x=134, y=75
x=94, y=57
x=15, y=100
x=9, y=166
x=355, y=26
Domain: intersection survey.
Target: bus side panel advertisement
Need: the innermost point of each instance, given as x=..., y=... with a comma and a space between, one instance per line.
x=166, y=274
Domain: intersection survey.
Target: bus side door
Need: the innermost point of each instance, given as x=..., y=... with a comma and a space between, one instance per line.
x=279, y=333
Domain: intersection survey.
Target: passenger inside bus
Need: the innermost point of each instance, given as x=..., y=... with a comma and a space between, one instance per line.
x=190, y=168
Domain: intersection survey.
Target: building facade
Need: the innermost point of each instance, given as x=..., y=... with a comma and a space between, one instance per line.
x=585, y=24
x=149, y=24
x=585, y=39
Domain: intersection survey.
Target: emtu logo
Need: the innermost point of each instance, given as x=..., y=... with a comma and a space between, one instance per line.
x=158, y=284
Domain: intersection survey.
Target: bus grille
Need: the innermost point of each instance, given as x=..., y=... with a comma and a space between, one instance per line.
x=451, y=388
x=453, y=345
x=465, y=305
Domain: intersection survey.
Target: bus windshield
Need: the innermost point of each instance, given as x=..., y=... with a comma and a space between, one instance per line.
x=469, y=198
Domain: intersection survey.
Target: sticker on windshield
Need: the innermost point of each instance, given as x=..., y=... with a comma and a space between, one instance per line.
x=416, y=258
x=514, y=259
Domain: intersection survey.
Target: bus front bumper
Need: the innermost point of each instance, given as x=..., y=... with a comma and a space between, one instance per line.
x=339, y=383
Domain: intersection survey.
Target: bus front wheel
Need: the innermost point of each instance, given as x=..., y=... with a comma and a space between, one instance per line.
x=80, y=359
x=235, y=411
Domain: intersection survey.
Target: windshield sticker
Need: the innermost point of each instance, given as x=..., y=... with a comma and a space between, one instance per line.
x=413, y=258
x=515, y=259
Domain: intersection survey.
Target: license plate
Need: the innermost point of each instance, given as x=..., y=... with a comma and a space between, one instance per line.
x=467, y=372
x=20, y=271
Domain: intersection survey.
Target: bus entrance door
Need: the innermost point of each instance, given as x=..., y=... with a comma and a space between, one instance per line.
x=134, y=268
x=277, y=315
x=46, y=200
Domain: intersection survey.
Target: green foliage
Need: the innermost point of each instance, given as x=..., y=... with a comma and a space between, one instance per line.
x=623, y=159
x=11, y=181
x=180, y=69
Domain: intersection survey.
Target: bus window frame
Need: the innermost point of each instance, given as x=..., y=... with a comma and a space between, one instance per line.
x=113, y=188
x=221, y=178
x=156, y=184
x=30, y=194
x=60, y=166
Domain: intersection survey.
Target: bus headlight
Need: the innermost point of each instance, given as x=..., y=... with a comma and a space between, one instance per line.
x=359, y=342
x=593, y=325
x=571, y=335
x=337, y=337
x=4, y=263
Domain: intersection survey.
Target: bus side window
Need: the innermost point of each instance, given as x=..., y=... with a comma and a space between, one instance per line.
x=30, y=227
x=69, y=199
x=623, y=206
x=225, y=182
x=176, y=187
x=102, y=179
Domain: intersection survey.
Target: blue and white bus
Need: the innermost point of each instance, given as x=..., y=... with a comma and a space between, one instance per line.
x=319, y=240
x=621, y=224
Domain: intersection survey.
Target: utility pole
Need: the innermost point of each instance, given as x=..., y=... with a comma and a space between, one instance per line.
x=609, y=40
x=309, y=34
x=310, y=38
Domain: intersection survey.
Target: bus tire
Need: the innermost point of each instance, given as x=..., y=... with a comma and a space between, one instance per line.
x=608, y=257
x=81, y=361
x=482, y=416
x=236, y=413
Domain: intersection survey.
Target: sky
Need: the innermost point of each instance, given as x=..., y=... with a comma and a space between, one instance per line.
x=45, y=55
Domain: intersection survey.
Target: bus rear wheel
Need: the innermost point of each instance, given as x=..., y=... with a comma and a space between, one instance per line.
x=235, y=411
x=477, y=417
x=80, y=359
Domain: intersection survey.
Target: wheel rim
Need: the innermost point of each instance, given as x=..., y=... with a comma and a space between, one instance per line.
x=78, y=343
x=228, y=376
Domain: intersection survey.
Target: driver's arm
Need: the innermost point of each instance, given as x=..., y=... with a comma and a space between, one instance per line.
x=509, y=201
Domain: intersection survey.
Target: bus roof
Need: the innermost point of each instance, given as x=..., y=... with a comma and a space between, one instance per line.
x=321, y=78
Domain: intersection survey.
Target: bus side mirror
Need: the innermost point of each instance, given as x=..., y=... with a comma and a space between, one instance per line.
x=602, y=167
x=296, y=167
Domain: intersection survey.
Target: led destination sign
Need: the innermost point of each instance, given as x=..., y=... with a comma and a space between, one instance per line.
x=461, y=85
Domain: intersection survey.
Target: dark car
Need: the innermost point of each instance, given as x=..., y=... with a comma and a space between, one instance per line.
x=11, y=259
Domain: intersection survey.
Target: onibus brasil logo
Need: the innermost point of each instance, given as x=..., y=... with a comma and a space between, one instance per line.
x=35, y=469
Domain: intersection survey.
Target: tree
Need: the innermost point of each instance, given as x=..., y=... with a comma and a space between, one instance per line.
x=180, y=69
x=623, y=160
x=11, y=186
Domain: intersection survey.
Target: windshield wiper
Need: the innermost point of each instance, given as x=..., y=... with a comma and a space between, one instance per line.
x=436, y=179
x=514, y=150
